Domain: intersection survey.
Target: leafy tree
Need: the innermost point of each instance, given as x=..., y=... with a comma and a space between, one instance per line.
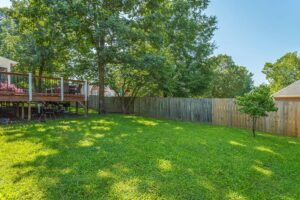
x=102, y=32
x=229, y=80
x=42, y=47
x=114, y=33
x=160, y=47
x=9, y=36
x=140, y=78
x=188, y=36
x=283, y=72
x=256, y=104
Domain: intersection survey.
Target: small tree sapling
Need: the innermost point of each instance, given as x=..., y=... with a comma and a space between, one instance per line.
x=256, y=104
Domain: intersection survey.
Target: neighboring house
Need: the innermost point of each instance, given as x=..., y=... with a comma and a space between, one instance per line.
x=289, y=93
x=108, y=92
x=6, y=65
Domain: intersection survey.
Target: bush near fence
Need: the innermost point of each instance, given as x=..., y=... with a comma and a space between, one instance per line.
x=286, y=121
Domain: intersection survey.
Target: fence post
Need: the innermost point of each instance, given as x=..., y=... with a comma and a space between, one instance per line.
x=30, y=86
x=61, y=89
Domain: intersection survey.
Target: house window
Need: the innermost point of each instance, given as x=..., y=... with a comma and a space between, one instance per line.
x=3, y=77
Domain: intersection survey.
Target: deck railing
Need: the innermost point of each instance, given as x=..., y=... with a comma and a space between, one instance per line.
x=28, y=84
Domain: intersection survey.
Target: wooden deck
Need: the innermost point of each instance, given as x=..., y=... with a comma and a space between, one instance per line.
x=20, y=88
x=40, y=97
x=17, y=87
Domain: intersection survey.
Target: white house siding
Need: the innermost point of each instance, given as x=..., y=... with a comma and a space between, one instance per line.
x=6, y=64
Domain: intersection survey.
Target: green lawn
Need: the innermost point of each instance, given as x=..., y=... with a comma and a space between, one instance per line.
x=127, y=157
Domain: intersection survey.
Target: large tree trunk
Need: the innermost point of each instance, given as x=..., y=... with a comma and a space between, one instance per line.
x=101, y=71
x=254, y=119
x=34, y=80
x=41, y=71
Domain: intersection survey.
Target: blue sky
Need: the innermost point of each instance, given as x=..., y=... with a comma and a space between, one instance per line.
x=253, y=32
x=5, y=3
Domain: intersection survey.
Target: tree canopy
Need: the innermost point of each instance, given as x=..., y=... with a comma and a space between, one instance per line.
x=229, y=80
x=8, y=34
x=146, y=48
x=283, y=72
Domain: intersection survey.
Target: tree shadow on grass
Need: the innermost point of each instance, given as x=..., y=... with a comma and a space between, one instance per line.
x=128, y=157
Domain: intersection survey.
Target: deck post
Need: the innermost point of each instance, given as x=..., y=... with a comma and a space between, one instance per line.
x=61, y=89
x=18, y=110
x=29, y=111
x=30, y=86
x=23, y=112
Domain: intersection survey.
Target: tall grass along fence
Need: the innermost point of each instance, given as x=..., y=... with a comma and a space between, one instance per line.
x=286, y=121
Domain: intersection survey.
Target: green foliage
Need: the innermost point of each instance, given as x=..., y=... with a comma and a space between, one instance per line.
x=257, y=104
x=175, y=33
x=162, y=45
x=43, y=43
x=283, y=72
x=229, y=80
x=128, y=157
x=31, y=35
x=8, y=35
x=188, y=37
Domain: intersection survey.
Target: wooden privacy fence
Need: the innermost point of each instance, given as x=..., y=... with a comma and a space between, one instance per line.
x=286, y=121
x=113, y=104
x=187, y=109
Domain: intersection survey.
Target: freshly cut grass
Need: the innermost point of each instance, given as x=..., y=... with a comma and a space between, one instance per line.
x=128, y=157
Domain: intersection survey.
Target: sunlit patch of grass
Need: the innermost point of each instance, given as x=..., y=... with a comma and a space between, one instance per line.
x=99, y=135
x=164, y=165
x=265, y=149
x=124, y=135
x=131, y=157
x=178, y=128
x=293, y=142
x=105, y=174
x=102, y=122
x=139, y=130
x=235, y=143
x=125, y=189
x=263, y=171
x=86, y=142
x=235, y=196
x=101, y=128
x=147, y=122
x=64, y=127
x=130, y=117
x=207, y=184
